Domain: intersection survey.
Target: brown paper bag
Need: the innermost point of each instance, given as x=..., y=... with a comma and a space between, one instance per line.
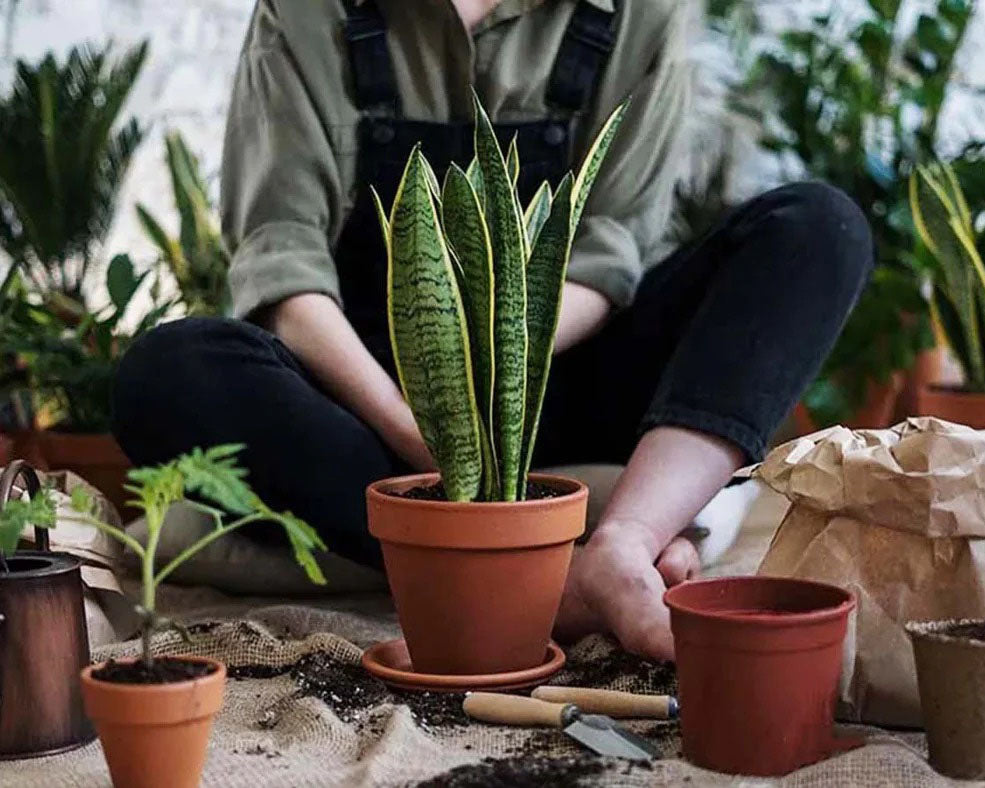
x=898, y=517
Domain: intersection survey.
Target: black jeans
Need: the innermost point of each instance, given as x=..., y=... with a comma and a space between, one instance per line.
x=722, y=337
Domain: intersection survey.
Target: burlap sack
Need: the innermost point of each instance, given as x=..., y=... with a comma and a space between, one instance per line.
x=898, y=517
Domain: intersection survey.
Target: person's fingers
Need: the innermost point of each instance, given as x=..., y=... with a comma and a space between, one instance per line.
x=636, y=615
x=575, y=619
x=678, y=562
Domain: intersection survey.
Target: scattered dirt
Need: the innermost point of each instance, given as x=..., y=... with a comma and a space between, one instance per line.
x=973, y=631
x=259, y=749
x=658, y=678
x=163, y=670
x=436, y=492
x=239, y=672
x=522, y=772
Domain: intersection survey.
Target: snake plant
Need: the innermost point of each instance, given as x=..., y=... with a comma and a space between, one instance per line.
x=474, y=288
x=946, y=226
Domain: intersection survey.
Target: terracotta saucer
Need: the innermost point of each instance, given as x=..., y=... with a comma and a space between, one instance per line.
x=390, y=662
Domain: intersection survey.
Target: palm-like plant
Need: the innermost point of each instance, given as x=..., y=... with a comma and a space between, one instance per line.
x=474, y=285
x=62, y=160
x=197, y=259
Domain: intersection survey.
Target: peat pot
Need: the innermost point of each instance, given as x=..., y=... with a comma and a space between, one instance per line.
x=477, y=586
x=758, y=661
x=44, y=644
x=950, y=658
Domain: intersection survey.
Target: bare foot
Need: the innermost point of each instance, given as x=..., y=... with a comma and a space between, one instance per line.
x=613, y=586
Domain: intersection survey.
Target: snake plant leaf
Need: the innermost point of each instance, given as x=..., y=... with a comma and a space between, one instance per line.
x=510, y=297
x=429, y=334
x=474, y=173
x=933, y=210
x=545, y=278
x=537, y=212
x=513, y=161
x=432, y=179
x=593, y=161
x=381, y=217
x=468, y=236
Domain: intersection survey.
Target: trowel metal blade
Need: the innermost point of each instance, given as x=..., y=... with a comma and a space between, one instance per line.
x=604, y=736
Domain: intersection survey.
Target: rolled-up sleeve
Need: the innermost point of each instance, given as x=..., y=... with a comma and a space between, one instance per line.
x=282, y=193
x=626, y=217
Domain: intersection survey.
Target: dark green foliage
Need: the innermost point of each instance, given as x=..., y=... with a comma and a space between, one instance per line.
x=18, y=514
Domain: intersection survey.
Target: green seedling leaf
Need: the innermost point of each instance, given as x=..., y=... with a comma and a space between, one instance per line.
x=214, y=475
x=18, y=514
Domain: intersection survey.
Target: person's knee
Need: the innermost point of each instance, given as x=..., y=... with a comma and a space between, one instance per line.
x=831, y=222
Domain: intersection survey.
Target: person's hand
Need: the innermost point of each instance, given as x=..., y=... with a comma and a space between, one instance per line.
x=615, y=586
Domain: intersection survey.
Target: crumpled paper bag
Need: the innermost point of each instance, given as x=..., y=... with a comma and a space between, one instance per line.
x=898, y=517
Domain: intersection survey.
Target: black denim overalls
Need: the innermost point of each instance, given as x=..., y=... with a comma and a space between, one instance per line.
x=385, y=140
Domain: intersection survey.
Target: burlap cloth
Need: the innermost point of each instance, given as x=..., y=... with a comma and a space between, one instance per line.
x=280, y=727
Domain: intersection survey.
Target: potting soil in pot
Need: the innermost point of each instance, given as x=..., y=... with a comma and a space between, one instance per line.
x=299, y=710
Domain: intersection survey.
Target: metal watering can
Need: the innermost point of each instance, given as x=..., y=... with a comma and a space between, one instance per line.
x=44, y=643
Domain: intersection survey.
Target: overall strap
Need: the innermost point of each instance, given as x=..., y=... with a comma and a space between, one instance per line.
x=372, y=69
x=584, y=52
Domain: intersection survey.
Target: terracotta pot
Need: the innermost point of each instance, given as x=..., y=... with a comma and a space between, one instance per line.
x=758, y=661
x=44, y=643
x=927, y=370
x=876, y=412
x=155, y=735
x=951, y=676
x=96, y=458
x=950, y=404
x=476, y=585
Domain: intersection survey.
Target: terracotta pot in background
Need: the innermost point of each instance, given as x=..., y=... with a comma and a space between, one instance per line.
x=951, y=676
x=876, y=413
x=758, y=661
x=927, y=370
x=951, y=404
x=476, y=585
x=155, y=735
x=97, y=458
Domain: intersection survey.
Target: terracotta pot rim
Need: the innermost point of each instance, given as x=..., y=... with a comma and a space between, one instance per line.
x=774, y=619
x=174, y=687
x=942, y=389
x=381, y=491
x=935, y=631
x=58, y=563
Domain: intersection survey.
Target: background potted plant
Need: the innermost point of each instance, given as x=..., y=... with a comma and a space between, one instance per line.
x=153, y=713
x=950, y=658
x=197, y=259
x=854, y=98
x=63, y=155
x=945, y=223
x=476, y=560
x=43, y=635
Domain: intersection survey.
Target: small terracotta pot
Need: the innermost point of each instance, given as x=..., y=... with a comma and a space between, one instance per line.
x=97, y=458
x=476, y=585
x=951, y=676
x=155, y=735
x=950, y=404
x=758, y=661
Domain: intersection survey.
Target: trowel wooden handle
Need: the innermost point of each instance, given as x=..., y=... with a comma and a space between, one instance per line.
x=611, y=702
x=512, y=709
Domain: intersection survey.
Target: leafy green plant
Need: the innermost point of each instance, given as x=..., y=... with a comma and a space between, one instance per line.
x=210, y=481
x=17, y=514
x=197, y=259
x=474, y=286
x=857, y=102
x=945, y=223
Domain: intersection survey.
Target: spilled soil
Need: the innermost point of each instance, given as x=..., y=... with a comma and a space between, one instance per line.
x=522, y=772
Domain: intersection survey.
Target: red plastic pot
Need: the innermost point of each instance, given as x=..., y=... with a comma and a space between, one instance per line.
x=758, y=661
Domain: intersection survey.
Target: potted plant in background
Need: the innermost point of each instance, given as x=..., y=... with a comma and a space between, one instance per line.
x=476, y=558
x=855, y=100
x=945, y=223
x=153, y=714
x=43, y=635
x=63, y=155
x=950, y=658
x=197, y=259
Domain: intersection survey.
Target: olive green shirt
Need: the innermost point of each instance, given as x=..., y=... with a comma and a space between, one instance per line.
x=289, y=167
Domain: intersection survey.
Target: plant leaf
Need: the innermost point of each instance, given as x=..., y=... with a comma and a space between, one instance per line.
x=545, y=279
x=537, y=212
x=466, y=231
x=593, y=161
x=429, y=335
x=510, y=317
x=513, y=162
x=18, y=514
x=474, y=173
x=215, y=475
x=121, y=281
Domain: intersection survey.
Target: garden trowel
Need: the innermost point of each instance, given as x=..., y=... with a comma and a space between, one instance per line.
x=597, y=732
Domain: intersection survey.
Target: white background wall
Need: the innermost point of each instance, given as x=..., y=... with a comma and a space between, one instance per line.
x=194, y=46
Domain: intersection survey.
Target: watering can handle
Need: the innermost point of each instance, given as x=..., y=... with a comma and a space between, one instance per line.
x=19, y=469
